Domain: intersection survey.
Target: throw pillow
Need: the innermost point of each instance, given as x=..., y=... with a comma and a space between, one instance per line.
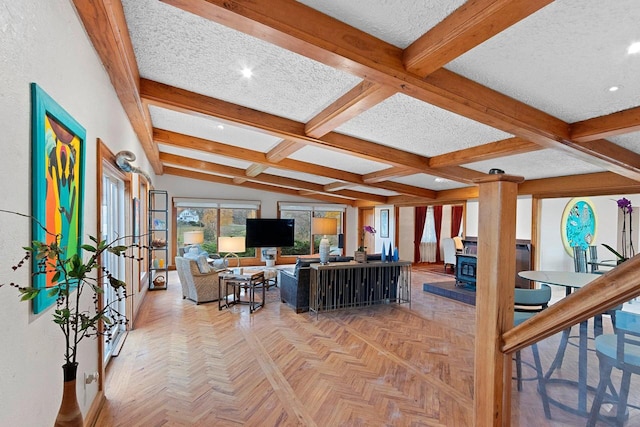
x=203, y=265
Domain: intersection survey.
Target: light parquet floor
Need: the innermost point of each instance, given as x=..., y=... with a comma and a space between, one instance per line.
x=388, y=365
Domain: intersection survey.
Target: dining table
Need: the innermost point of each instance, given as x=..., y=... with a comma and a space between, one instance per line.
x=570, y=281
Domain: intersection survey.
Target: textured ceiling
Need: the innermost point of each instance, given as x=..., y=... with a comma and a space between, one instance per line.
x=561, y=60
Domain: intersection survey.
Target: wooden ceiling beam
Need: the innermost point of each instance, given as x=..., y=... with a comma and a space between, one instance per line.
x=619, y=123
x=467, y=27
x=255, y=169
x=264, y=178
x=593, y=184
x=105, y=24
x=193, y=143
x=338, y=185
x=303, y=30
x=358, y=100
x=181, y=100
x=283, y=149
x=387, y=174
x=408, y=190
x=254, y=185
x=492, y=150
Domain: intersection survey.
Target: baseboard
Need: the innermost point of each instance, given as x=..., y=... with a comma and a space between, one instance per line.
x=92, y=415
x=119, y=344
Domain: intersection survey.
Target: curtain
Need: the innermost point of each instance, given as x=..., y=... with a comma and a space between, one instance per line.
x=420, y=218
x=428, y=251
x=437, y=215
x=456, y=220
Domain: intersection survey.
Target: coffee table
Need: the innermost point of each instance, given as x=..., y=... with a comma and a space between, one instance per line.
x=249, y=282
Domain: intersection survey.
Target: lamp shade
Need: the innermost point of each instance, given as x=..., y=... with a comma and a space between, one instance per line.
x=324, y=226
x=193, y=237
x=231, y=244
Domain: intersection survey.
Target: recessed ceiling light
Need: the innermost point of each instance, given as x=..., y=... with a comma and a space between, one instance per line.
x=221, y=127
x=634, y=48
x=247, y=73
x=613, y=88
x=441, y=180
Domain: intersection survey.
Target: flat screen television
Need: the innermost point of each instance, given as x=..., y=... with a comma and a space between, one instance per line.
x=269, y=232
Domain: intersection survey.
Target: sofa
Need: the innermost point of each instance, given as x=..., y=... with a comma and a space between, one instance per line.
x=295, y=284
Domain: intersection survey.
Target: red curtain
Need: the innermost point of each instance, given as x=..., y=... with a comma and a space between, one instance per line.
x=456, y=220
x=437, y=215
x=420, y=218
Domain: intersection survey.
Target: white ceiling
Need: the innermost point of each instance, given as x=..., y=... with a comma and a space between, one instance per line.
x=561, y=60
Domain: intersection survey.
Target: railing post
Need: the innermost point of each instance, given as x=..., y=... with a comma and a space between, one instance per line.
x=494, y=297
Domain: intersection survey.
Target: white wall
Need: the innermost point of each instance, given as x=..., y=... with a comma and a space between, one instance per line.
x=553, y=255
x=523, y=218
x=44, y=42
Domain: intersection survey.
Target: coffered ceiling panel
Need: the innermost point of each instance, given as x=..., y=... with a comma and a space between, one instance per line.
x=332, y=159
x=427, y=181
x=189, y=52
x=211, y=129
x=411, y=125
x=563, y=59
x=539, y=164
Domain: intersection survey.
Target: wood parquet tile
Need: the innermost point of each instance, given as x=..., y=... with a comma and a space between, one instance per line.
x=388, y=365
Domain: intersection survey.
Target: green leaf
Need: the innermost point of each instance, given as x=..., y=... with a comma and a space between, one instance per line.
x=613, y=251
x=88, y=248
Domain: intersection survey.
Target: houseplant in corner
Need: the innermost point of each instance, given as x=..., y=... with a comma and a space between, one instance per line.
x=71, y=276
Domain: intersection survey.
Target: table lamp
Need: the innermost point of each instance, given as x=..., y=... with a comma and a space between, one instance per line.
x=324, y=226
x=231, y=245
x=193, y=237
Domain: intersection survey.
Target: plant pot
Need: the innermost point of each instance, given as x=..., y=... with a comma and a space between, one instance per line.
x=360, y=256
x=69, y=414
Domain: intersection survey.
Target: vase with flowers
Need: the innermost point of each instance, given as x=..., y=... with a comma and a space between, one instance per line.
x=626, y=239
x=361, y=254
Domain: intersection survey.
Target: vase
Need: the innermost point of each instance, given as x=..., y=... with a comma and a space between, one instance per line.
x=383, y=254
x=69, y=414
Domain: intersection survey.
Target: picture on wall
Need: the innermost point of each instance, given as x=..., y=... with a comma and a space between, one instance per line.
x=384, y=223
x=57, y=168
x=578, y=226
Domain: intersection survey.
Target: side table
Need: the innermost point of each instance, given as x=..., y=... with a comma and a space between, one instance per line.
x=249, y=282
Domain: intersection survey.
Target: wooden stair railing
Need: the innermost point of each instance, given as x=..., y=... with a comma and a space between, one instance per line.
x=615, y=287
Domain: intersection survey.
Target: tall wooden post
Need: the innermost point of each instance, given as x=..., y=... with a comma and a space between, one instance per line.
x=494, y=297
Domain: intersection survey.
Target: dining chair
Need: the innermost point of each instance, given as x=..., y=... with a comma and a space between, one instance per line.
x=528, y=302
x=580, y=265
x=620, y=350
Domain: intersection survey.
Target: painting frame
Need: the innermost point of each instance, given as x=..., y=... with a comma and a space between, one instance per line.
x=384, y=223
x=57, y=189
x=579, y=224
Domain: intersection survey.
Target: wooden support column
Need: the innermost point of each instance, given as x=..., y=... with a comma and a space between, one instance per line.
x=494, y=297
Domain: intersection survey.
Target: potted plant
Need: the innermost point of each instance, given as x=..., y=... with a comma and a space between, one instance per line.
x=361, y=255
x=72, y=276
x=627, y=234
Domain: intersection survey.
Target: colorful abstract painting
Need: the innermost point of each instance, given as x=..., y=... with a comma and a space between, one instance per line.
x=578, y=224
x=58, y=151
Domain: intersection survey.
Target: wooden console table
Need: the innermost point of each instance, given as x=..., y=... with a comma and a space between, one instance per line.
x=352, y=284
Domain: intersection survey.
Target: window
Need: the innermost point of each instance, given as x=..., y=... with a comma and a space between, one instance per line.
x=215, y=218
x=302, y=214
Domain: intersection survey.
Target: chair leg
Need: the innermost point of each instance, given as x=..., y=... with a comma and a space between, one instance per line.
x=624, y=395
x=605, y=374
x=542, y=384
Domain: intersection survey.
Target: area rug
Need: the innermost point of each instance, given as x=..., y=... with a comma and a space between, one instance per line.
x=448, y=289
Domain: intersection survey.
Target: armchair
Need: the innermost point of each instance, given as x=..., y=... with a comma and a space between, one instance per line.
x=449, y=248
x=199, y=282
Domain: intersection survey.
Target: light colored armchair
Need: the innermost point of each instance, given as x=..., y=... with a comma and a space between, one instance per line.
x=199, y=282
x=449, y=249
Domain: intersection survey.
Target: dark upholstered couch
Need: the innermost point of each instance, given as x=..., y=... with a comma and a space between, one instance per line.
x=294, y=285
